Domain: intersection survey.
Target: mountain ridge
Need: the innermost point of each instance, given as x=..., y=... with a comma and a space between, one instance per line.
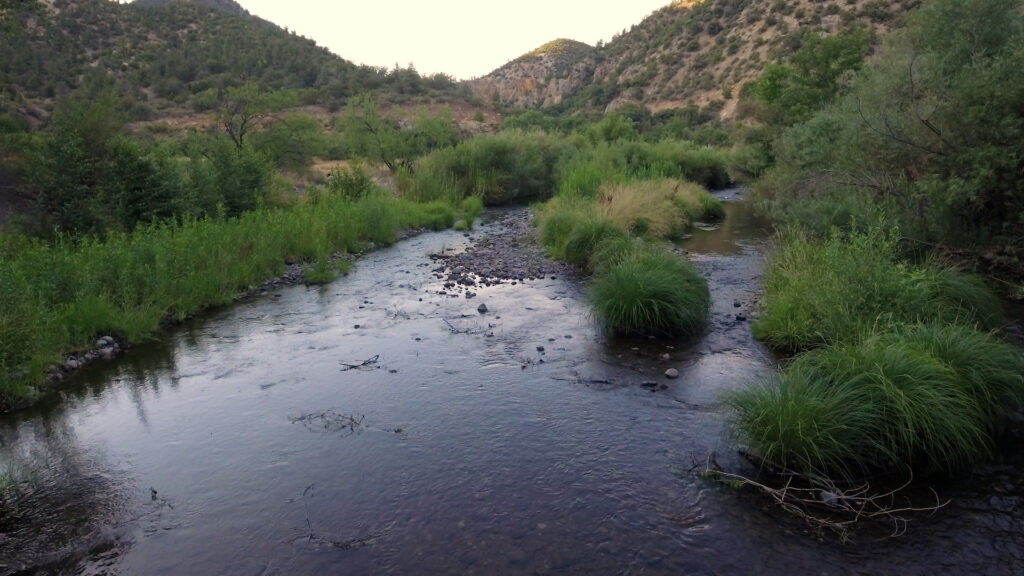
x=687, y=52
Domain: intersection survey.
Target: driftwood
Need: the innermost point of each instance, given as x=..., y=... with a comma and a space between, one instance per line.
x=821, y=502
x=364, y=364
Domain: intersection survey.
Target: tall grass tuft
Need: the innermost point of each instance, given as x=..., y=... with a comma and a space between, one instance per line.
x=650, y=291
x=587, y=235
x=819, y=293
x=664, y=208
x=924, y=397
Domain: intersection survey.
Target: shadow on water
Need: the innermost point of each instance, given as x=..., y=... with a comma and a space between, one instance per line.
x=378, y=425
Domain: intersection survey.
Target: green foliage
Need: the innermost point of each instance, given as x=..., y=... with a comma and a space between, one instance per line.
x=931, y=131
x=291, y=141
x=352, y=182
x=372, y=136
x=499, y=168
x=59, y=296
x=840, y=289
x=927, y=398
x=650, y=291
x=586, y=236
x=471, y=208
x=793, y=92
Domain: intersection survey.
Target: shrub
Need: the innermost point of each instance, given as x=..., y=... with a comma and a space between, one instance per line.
x=665, y=208
x=586, y=236
x=838, y=289
x=923, y=397
x=650, y=291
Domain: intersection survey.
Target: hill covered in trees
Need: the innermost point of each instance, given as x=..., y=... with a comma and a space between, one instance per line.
x=171, y=57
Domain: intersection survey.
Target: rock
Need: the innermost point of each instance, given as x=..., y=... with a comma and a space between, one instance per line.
x=672, y=373
x=470, y=295
x=741, y=318
x=356, y=326
x=649, y=384
x=540, y=348
x=71, y=364
x=482, y=308
x=666, y=356
x=106, y=353
x=736, y=304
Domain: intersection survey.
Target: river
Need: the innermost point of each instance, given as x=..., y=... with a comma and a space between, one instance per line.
x=375, y=425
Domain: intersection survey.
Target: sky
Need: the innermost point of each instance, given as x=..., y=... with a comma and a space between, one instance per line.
x=463, y=38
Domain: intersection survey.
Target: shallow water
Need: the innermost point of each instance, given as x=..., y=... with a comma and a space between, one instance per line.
x=242, y=444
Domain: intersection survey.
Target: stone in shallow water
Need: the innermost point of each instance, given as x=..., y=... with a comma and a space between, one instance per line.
x=482, y=308
x=672, y=373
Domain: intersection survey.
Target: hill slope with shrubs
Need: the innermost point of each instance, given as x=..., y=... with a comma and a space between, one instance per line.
x=689, y=52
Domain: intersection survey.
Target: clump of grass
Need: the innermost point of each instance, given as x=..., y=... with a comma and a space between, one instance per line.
x=923, y=397
x=584, y=239
x=557, y=219
x=649, y=291
x=471, y=208
x=324, y=271
x=664, y=208
x=839, y=289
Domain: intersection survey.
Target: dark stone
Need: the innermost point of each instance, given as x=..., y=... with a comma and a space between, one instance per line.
x=540, y=348
x=482, y=308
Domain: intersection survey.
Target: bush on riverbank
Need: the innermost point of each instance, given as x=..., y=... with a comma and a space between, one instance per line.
x=664, y=208
x=821, y=293
x=928, y=398
x=56, y=297
x=646, y=290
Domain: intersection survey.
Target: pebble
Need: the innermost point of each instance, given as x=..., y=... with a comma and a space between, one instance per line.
x=482, y=308
x=540, y=348
x=665, y=356
x=741, y=318
x=672, y=373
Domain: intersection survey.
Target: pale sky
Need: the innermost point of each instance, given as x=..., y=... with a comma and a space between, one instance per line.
x=464, y=38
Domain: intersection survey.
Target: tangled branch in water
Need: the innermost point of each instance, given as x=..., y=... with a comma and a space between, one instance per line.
x=820, y=501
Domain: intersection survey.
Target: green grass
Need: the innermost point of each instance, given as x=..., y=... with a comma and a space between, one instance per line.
x=646, y=290
x=56, y=297
x=585, y=238
x=925, y=397
x=820, y=293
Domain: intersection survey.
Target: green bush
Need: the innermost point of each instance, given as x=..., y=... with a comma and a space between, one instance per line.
x=837, y=290
x=586, y=236
x=928, y=398
x=499, y=168
x=649, y=291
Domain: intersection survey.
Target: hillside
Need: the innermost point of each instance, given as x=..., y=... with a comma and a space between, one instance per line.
x=167, y=58
x=691, y=51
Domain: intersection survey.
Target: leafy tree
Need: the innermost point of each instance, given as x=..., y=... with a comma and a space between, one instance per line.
x=792, y=92
x=394, y=143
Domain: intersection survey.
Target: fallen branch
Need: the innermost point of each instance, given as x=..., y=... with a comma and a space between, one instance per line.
x=365, y=363
x=822, y=503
